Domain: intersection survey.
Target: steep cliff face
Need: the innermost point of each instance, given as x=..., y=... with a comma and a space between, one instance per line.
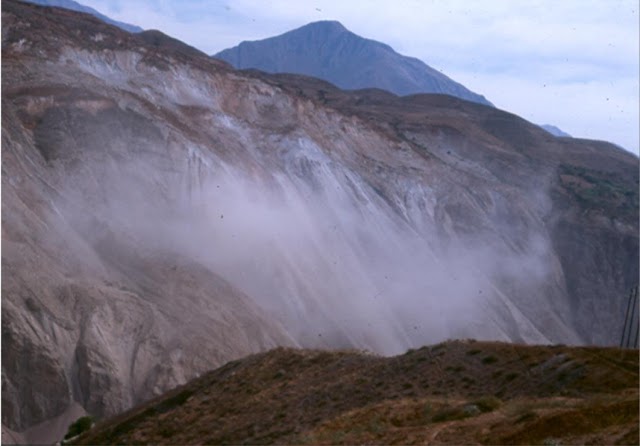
x=163, y=214
x=92, y=313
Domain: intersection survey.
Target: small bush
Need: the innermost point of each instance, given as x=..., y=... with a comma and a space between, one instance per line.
x=471, y=410
x=511, y=376
x=527, y=416
x=167, y=431
x=375, y=426
x=79, y=426
x=173, y=402
x=489, y=360
x=450, y=415
x=488, y=403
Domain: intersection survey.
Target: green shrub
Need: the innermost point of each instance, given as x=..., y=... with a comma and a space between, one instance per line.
x=79, y=426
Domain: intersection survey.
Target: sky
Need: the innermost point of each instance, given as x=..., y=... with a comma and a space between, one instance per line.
x=570, y=63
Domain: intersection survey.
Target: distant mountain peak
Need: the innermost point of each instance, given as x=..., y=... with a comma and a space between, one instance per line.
x=326, y=24
x=328, y=50
x=330, y=26
x=555, y=131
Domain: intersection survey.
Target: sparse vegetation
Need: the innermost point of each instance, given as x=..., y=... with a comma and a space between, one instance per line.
x=599, y=190
x=398, y=400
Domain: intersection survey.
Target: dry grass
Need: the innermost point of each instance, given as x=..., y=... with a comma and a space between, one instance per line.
x=449, y=393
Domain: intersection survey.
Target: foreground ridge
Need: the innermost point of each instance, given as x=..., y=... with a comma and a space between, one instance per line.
x=458, y=392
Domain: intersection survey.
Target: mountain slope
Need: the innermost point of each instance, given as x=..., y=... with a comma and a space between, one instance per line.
x=555, y=131
x=451, y=393
x=75, y=6
x=327, y=50
x=163, y=214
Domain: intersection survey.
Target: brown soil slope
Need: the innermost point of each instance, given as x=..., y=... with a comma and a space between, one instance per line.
x=459, y=392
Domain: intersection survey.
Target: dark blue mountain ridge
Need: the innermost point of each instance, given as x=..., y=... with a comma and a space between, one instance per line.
x=329, y=51
x=555, y=131
x=75, y=6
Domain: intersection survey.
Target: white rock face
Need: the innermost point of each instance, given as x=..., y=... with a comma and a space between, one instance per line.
x=163, y=215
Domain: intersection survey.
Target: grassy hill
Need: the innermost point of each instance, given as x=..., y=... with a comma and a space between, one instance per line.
x=455, y=392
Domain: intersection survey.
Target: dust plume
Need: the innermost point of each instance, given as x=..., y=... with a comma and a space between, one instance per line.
x=330, y=259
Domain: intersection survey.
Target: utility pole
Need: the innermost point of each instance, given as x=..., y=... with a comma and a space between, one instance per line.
x=631, y=328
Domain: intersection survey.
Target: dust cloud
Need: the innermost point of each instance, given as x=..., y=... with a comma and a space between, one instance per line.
x=328, y=258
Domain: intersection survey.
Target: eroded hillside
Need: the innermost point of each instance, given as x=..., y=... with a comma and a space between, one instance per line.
x=163, y=214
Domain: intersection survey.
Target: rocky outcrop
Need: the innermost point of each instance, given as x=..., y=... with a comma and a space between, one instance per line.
x=163, y=214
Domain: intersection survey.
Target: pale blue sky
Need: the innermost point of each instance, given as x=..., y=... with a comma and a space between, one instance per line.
x=570, y=63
